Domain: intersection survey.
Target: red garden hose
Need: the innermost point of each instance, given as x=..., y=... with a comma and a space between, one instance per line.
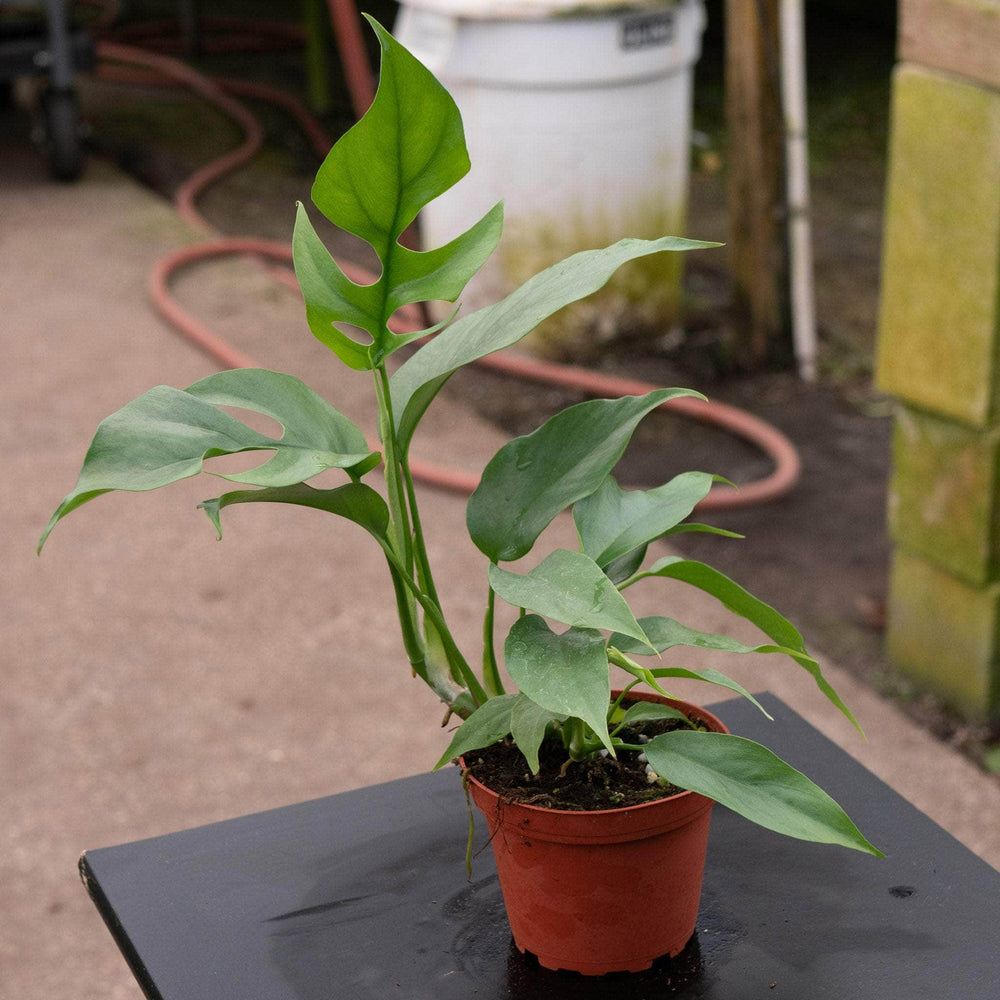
x=360, y=82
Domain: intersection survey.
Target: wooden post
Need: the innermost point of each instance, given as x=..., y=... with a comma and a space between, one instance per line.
x=758, y=256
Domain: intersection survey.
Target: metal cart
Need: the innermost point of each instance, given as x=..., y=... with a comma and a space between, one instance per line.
x=38, y=39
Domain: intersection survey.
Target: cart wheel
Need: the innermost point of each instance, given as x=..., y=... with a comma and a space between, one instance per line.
x=62, y=135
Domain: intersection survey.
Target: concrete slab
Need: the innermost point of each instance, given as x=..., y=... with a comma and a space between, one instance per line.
x=154, y=679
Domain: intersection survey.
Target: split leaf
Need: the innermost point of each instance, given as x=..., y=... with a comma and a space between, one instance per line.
x=166, y=435
x=407, y=149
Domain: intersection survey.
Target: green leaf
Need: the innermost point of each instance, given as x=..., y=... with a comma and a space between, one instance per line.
x=443, y=273
x=487, y=724
x=645, y=711
x=619, y=570
x=708, y=529
x=408, y=149
x=665, y=633
x=316, y=436
x=613, y=522
x=749, y=779
x=355, y=501
x=528, y=725
x=418, y=381
x=570, y=588
x=532, y=478
x=565, y=673
x=744, y=604
x=166, y=434
x=730, y=594
x=710, y=676
x=331, y=297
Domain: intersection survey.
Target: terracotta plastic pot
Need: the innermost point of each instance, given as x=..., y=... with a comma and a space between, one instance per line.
x=604, y=891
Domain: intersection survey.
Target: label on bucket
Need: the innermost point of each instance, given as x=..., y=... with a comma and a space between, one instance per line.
x=645, y=31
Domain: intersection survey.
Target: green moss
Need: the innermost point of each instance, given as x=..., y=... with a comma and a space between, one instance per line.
x=944, y=501
x=940, y=314
x=945, y=633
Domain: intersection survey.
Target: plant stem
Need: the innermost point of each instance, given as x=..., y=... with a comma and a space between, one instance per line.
x=574, y=739
x=399, y=513
x=436, y=618
x=423, y=563
x=491, y=672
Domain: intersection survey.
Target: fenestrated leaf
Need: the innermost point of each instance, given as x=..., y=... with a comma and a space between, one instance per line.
x=416, y=383
x=355, y=501
x=613, y=522
x=565, y=673
x=570, y=588
x=532, y=478
x=442, y=273
x=331, y=297
x=528, y=725
x=166, y=434
x=408, y=148
x=744, y=604
x=316, y=435
x=487, y=724
x=754, y=782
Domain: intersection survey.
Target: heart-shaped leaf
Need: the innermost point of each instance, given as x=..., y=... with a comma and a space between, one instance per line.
x=570, y=588
x=532, y=478
x=753, y=781
x=565, y=673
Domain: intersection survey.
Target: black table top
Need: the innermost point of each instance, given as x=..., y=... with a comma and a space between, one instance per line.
x=364, y=895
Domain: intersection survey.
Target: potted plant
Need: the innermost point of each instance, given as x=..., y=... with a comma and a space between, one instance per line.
x=561, y=717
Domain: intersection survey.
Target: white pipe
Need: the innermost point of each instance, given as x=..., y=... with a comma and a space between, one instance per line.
x=793, y=99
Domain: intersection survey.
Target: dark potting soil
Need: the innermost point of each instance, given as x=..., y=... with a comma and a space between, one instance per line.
x=596, y=783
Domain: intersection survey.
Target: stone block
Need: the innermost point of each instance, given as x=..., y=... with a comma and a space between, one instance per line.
x=944, y=502
x=943, y=633
x=939, y=336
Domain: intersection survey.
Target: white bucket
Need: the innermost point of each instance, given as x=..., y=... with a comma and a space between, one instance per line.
x=580, y=120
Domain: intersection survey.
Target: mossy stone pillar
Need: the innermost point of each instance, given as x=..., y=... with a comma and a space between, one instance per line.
x=939, y=350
